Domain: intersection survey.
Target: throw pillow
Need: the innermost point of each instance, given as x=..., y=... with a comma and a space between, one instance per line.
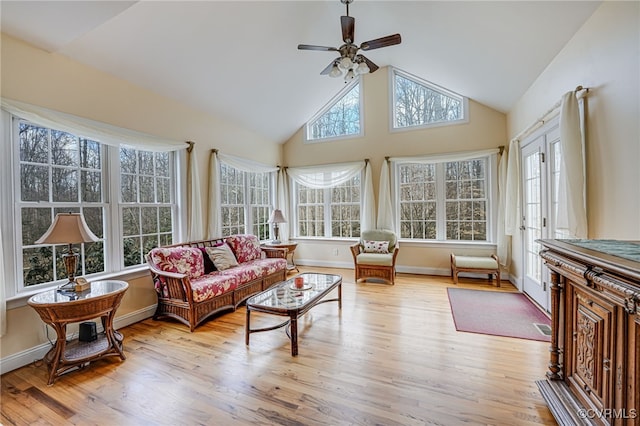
x=376, y=247
x=222, y=257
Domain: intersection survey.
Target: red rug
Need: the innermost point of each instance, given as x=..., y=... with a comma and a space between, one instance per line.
x=498, y=314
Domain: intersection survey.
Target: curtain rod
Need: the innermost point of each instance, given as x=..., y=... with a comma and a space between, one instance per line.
x=548, y=115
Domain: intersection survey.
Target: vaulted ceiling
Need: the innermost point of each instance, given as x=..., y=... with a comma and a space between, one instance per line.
x=239, y=60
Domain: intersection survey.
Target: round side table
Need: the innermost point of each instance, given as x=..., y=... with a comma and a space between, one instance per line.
x=59, y=308
x=291, y=248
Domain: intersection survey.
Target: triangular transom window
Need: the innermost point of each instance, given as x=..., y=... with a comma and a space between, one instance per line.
x=418, y=103
x=339, y=118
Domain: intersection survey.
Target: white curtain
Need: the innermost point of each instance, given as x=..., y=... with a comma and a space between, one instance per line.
x=330, y=175
x=282, y=194
x=368, y=214
x=246, y=165
x=325, y=176
x=441, y=158
x=214, y=218
x=90, y=129
x=385, y=209
x=512, y=190
x=195, y=226
x=504, y=240
x=572, y=213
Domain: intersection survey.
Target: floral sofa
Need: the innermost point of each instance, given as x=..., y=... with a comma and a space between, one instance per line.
x=195, y=280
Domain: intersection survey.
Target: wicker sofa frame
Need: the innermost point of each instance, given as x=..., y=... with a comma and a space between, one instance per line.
x=175, y=295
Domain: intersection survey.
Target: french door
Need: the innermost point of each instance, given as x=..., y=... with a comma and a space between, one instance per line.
x=540, y=155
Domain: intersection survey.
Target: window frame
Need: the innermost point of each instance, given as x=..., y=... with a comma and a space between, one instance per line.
x=432, y=86
x=247, y=206
x=491, y=177
x=10, y=189
x=346, y=89
x=327, y=204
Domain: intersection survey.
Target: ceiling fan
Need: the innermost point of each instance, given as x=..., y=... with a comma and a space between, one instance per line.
x=350, y=61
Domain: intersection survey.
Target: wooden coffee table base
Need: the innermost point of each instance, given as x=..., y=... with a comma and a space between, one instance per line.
x=292, y=313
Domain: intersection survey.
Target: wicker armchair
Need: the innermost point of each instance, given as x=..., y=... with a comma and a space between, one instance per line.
x=370, y=258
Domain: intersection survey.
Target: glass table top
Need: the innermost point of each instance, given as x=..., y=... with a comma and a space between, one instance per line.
x=286, y=296
x=97, y=289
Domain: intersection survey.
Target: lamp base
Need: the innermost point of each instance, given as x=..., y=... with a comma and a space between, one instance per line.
x=275, y=242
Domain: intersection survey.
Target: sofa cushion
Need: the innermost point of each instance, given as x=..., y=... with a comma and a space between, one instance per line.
x=246, y=247
x=222, y=257
x=376, y=246
x=212, y=285
x=182, y=260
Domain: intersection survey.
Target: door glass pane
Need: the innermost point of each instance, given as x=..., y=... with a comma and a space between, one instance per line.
x=533, y=215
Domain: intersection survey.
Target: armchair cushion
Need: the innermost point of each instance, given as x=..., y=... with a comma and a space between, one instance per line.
x=376, y=246
x=377, y=259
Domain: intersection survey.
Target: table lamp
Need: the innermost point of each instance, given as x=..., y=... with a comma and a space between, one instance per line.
x=276, y=218
x=69, y=228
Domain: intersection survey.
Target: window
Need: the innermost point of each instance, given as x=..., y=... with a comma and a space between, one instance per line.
x=246, y=201
x=145, y=197
x=418, y=103
x=58, y=173
x=341, y=117
x=444, y=201
x=466, y=200
x=330, y=212
x=61, y=172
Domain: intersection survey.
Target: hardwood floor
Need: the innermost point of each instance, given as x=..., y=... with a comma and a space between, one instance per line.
x=391, y=356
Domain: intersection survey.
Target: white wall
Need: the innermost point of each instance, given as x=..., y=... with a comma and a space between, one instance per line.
x=604, y=55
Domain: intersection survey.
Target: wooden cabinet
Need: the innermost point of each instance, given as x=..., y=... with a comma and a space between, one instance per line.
x=595, y=342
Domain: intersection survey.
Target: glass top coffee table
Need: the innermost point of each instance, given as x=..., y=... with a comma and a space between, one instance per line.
x=285, y=299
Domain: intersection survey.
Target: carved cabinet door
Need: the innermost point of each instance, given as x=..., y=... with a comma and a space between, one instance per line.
x=594, y=322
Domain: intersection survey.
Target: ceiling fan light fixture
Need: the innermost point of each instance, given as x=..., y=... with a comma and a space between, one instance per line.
x=363, y=68
x=335, y=71
x=346, y=63
x=349, y=76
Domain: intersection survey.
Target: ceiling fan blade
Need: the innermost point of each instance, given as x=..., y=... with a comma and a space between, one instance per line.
x=312, y=47
x=381, y=42
x=372, y=67
x=348, y=24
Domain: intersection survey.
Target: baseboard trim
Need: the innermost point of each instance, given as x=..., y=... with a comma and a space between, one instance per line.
x=28, y=356
x=419, y=270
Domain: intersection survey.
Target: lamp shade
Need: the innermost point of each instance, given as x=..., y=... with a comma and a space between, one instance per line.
x=277, y=217
x=68, y=228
